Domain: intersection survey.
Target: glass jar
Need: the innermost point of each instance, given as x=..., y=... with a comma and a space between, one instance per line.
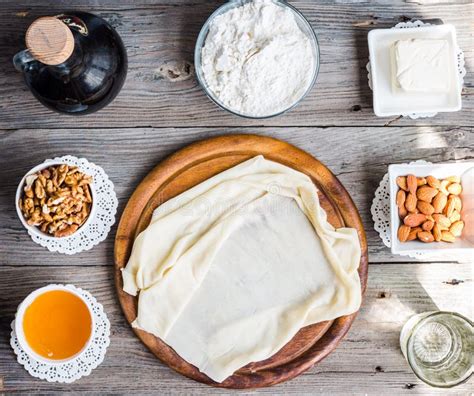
x=439, y=347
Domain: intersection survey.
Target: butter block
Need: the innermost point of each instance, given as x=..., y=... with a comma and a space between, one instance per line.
x=421, y=65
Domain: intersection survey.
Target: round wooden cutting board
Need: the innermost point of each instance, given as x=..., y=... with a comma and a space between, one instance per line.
x=191, y=166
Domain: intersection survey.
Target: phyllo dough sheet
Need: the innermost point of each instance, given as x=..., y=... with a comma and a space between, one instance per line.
x=230, y=270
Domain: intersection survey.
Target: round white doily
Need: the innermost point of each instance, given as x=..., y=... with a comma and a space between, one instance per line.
x=380, y=210
x=99, y=226
x=460, y=65
x=83, y=364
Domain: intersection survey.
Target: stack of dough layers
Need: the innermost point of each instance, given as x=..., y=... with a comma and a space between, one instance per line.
x=230, y=270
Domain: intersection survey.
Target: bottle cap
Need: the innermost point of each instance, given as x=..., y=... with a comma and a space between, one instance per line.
x=49, y=40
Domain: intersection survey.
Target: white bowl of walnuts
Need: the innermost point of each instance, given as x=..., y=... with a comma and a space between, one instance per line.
x=432, y=208
x=55, y=200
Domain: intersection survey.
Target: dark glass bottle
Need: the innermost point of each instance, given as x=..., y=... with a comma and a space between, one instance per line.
x=76, y=73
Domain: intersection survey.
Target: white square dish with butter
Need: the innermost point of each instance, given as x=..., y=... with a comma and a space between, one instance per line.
x=414, y=70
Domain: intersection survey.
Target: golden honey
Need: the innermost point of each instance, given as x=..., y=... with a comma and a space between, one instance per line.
x=57, y=325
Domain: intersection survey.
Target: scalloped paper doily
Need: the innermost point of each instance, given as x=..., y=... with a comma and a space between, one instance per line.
x=460, y=65
x=380, y=210
x=98, y=228
x=82, y=365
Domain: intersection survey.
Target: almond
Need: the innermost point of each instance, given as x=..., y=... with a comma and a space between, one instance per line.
x=403, y=233
x=402, y=212
x=437, y=233
x=414, y=219
x=454, y=188
x=457, y=202
x=412, y=184
x=414, y=233
x=410, y=202
x=456, y=216
x=425, y=208
x=401, y=196
x=439, y=202
x=453, y=179
x=446, y=236
x=433, y=182
x=425, y=236
x=428, y=225
x=456, y=228
x=442, y=221
x=449, y=208
x=420, y=181
x=443, y=187
x=402, y=182
x=426, y=193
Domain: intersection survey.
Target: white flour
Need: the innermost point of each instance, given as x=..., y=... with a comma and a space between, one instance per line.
x=256, y=59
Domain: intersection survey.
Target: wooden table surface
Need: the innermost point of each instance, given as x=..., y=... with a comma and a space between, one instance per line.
x=161, y=109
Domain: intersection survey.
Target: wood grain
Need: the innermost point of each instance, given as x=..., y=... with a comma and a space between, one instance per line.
x=196, y=163
x=160, y=37
x=368, y=360
x=127, y=155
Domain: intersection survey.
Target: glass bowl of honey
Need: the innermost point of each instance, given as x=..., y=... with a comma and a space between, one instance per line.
x=54, y=324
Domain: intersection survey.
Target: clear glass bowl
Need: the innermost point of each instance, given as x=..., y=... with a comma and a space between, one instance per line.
x=302, y=23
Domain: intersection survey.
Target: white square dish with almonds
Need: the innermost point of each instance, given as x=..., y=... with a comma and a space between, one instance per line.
x=455, y=174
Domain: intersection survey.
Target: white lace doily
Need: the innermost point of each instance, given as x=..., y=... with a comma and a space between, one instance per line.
x=460, y=65
x=83, y=364
x=99, y=226
x=380, y=210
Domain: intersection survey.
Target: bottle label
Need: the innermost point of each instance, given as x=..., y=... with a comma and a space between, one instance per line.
x=74, y=23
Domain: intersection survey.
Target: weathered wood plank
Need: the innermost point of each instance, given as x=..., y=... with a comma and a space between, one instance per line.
x=158, y=34
x=358, y=156
x=368, y=361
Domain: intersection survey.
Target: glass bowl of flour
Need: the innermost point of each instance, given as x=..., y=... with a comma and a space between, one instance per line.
x=257, y=58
